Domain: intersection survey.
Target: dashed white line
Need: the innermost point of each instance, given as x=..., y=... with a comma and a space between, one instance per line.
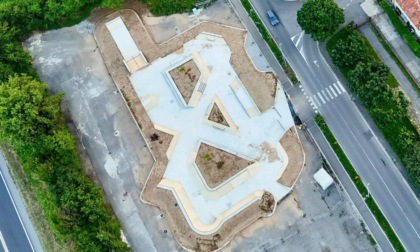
x=332, y=90
x=341, y=86
x=3, y=243
x=320, y=97
x=328, y=91
x=338, y=90
x=311, y=101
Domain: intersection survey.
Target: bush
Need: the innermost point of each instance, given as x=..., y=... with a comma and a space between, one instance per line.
x=168, y=7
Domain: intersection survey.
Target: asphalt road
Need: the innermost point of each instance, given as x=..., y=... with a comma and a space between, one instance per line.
x=324, y=93
x=13, y=236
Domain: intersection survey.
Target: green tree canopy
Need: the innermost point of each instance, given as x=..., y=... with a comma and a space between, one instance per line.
x=320, y=18
x=412, y=160
x=26, y=110
x=350, y=51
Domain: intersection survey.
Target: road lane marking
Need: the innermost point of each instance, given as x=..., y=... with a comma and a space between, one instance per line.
x=17, y=212
x=320, y=97
x=341, y=86
x=3, y=243
x=338, y=90
x=316, y=101
x=332, y=90
x=382, y=180
x=300, y=37
x=328, y=91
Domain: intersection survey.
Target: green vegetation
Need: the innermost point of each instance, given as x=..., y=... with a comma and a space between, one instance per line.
x=168, y=7
x=32, y=125
x=30, y=120
x=395, y=59
x=375, y=86
x=359, y=184
x=320, y=18
x=408, y=37
x=270, y=42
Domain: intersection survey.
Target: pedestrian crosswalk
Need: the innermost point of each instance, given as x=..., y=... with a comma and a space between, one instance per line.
x=325, y=95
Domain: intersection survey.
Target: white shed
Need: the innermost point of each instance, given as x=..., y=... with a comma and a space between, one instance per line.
x=323, y=178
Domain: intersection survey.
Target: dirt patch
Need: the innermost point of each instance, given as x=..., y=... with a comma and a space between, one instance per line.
x=217, y=116
x=259, y=85
x=185, y=78
x=291, y=144
x=217, y=165
x=267, y=204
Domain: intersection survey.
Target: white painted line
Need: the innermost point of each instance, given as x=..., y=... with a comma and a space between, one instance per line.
x=338, y=90
x=326, y=97
x=332, y=90
x=312, y=102
x=329, y=93
x=316, y=100
x=300, y=37
x=341, y=86
x=3, y=243
x=320, y=97
x=17, y=212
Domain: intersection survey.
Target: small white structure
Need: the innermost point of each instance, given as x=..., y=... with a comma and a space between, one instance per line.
x=133, y=57
x=323, y=178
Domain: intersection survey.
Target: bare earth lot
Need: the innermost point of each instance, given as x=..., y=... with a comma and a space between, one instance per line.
x=68, y=61
x=185, y=77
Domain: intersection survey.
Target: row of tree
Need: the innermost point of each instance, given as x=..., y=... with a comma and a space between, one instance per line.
x=31, y=121
x=369, y=80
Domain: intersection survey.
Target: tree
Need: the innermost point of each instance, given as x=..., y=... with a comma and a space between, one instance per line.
x=26, y=110
x=369, y=82
x=412, y=161
x=349, y=51
x=320, y=18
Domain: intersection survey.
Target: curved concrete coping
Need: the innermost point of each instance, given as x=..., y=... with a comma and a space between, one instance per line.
x=225, y=187
x=149, y=101
x=285, y=160
x=191, y=215
x=175, y=137
x=232, y=128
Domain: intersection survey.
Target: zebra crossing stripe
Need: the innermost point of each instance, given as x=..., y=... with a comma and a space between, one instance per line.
x=332, y=90
x=338, y=90
x=341, y=86
x=321, y=98
x=326, y=97
x=328, y=91
x=316, y=101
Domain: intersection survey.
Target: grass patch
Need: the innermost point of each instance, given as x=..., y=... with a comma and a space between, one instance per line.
x=395, y=59
x=35, y=212
x=270, y=42
x=405, y=34
x=359, y=184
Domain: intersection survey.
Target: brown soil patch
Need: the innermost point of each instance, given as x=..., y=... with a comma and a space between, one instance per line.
x=258, y=84
x=217, y=165
x=185, y=78
x=293, y=148
x=217, y=116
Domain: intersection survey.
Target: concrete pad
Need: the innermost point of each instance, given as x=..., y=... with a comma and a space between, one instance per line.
x=256, y=136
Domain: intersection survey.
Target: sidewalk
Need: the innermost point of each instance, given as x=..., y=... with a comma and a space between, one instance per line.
x=381, y=21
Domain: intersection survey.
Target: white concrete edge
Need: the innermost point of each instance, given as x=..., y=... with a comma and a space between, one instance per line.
x=304, y=158
x=373, y=133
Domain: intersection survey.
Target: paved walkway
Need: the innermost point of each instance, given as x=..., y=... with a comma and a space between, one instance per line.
x=381, y=21
x=395, y=70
